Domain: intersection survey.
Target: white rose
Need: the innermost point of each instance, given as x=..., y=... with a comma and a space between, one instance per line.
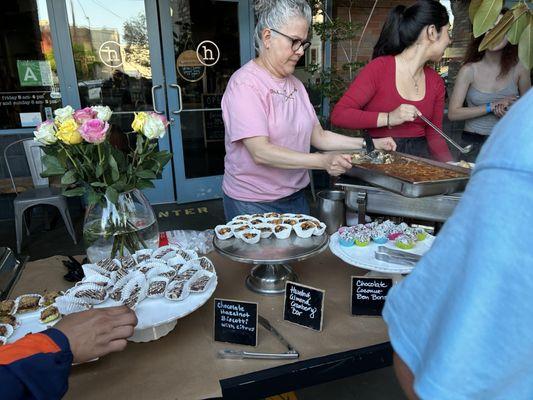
x=102, y=112
x=46, y=133
x=64, y=113
x=154, y=127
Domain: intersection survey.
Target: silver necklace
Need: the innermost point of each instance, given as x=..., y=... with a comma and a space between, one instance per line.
x=278, y=92
x=415, y=81
x=284, y=93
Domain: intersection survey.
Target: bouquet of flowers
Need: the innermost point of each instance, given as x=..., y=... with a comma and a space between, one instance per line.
x=76, y=147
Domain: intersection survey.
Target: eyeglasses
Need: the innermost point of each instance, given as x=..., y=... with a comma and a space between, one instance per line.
x=296, y=43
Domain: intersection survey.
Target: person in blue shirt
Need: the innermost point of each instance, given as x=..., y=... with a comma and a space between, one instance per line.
x=460, y=323
x=38, y=365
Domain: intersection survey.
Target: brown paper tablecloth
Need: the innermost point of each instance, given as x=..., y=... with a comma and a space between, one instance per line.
x=183, y=364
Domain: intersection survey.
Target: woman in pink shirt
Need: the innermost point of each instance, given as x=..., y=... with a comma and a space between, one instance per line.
x=270, y=123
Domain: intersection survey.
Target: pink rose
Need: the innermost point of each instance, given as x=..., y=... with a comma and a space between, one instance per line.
x=163, y=119
x=94, y=131
x=84, y=114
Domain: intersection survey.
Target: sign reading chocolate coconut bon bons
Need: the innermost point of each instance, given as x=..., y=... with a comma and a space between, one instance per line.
x=236, y=322
x=304, y=305
x=368, y=295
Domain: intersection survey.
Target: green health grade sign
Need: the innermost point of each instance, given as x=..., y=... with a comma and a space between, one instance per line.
x=34, y=73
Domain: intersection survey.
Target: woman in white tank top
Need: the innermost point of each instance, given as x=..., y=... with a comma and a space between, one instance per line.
x=489, y=81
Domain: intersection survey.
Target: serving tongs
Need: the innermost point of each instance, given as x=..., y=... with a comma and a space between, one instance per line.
x=372, y=157
x=463, y=150
x=290, y=354
x=396, y=256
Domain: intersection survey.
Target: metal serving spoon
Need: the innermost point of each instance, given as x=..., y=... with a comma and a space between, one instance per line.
x=463, y=150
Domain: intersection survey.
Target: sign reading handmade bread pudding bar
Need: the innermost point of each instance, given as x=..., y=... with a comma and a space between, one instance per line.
x=303, y=305
x=369, y=294
x=236, y=322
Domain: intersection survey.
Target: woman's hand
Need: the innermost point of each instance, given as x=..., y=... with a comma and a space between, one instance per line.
x=500, y=107
x=387, y=143
x=337, y=164
x=404, y=113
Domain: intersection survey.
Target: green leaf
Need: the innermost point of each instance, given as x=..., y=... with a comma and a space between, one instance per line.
x=139, y=144
x=114, y=168
x=53, y=166
x=92, y=196
x=472, y=8
x=112, y=195
x=486, y=16
x=120, y=185
x=150, y=164
x=144, y=184
x=120, y=158
x=69, y=178
x=98, y=184
x=99, y=171
x=495, y=36
x=517, y=28
x=145, y=174
x=163, y=157
x=525, y=45
x=79, y=191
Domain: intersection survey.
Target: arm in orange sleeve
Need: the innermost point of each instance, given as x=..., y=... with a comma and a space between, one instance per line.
x=36, y=366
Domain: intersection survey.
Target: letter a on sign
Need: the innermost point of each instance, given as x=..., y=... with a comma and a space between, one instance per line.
x=29, y=73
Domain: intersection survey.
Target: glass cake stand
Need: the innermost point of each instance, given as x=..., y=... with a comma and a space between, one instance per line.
x=270, y=256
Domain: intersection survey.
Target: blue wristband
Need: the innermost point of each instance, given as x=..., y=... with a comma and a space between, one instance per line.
x=488, y=108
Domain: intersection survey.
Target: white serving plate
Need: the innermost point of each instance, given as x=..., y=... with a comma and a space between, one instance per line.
x=156, y=317
x=363, y=257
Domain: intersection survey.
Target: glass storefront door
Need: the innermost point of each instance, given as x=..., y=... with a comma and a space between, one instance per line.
x=204, y=42
x=173, y=57
x=29, y=83
x=117, y=57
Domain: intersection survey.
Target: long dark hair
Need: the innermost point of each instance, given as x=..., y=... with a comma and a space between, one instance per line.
x=404, y=24
x=509, y=54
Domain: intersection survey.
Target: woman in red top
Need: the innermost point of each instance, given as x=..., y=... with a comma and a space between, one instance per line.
x=389, y=93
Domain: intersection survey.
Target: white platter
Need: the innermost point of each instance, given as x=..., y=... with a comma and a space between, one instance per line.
x=156, y=317
x=363, y=257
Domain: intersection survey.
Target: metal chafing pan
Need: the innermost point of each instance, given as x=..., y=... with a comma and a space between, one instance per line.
x=413, y=189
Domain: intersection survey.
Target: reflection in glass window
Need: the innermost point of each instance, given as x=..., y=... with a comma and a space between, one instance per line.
x=29, y=86
x=203, y=131
x=112, y=55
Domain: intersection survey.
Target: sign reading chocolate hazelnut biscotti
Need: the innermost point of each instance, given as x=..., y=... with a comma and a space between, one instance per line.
x=368, y=295
x=304, y=305
x=236, y=322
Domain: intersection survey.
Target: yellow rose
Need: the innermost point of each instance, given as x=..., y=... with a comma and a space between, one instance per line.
x=68, y=132
x=138, y=122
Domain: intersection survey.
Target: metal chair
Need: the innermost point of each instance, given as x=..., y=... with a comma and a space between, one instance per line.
x=41, y=194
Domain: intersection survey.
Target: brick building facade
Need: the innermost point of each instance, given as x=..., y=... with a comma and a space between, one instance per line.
x=360, y=10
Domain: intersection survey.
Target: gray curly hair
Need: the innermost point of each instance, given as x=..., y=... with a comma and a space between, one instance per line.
x=276, y=14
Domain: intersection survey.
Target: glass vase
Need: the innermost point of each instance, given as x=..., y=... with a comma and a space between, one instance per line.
x=114, y=230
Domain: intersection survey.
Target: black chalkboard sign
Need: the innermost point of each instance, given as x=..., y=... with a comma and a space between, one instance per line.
x=213, y=122
x=236, y=322
x=368, y=295
x=304, y=305
x=192, y=73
